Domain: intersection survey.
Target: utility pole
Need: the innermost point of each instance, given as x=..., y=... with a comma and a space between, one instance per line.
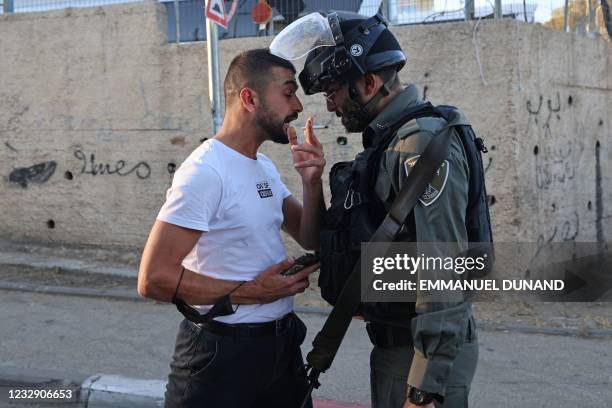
x=212, y=51
x=589, y=26
x=469, y=10
x=177, y=22
x=498, y=9
x=565, y=16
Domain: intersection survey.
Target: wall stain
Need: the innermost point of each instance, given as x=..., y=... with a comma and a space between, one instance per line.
x=178, y=140
x=38, y=173
x=7, y=144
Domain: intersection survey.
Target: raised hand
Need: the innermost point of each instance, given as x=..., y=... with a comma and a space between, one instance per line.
x=308, y=157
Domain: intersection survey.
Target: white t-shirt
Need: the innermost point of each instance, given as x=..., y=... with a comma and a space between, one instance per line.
x=237, y=202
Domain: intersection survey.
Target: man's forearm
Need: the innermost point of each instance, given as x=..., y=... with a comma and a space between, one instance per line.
x=198, y=289
x=312, y=214
x=437, y=343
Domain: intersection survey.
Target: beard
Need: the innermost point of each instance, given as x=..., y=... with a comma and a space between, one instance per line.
x=272, y=127
x=353, y=118
x=354, y=123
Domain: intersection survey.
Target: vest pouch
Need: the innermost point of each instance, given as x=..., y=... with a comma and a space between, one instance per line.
x=336, y=262
x=341, y=247
x=350, y=220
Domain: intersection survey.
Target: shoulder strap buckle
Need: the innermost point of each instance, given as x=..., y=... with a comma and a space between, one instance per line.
x=480, y=145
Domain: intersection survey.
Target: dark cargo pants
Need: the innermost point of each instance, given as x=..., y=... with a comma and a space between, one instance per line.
x=389, y=374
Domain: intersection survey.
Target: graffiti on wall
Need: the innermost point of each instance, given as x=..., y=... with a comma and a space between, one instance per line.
x=556, y=164
x=38, y=173
x=541, y=114
x=89, y=165
x=142, y=170
x=557, y=153
x=559, y=139
x=563, y=231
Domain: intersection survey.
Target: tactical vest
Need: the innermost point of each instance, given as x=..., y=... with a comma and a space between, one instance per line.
x=356, y=211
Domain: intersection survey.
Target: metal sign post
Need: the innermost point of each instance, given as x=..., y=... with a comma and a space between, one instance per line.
x=469, y=10
x=498, y=9
x=212, y=51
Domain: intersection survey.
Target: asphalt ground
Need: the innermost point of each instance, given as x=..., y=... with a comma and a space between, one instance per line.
x=585, y=318
x=86, y=335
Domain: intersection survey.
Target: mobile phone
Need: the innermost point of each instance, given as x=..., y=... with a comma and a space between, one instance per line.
x=301, y=263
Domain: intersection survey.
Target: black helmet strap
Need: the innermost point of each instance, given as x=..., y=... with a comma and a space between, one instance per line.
x=368, y=107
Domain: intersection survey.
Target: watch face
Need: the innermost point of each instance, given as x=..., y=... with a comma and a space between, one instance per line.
x=419, y=397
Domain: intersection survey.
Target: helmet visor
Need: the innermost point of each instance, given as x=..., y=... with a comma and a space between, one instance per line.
x=302, y=36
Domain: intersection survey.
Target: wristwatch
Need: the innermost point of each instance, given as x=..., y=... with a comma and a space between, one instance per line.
x=418, y=397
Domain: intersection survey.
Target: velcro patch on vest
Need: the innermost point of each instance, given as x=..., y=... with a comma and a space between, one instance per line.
x=436, y=186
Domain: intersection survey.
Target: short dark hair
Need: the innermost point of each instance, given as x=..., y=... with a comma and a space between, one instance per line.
x=250, y=69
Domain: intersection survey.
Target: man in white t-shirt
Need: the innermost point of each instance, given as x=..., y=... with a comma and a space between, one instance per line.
x=217, y=241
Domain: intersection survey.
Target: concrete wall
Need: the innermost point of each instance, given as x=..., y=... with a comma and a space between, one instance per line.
x=96, y=111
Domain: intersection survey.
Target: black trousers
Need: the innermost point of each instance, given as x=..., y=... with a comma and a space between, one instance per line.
x=213, y=370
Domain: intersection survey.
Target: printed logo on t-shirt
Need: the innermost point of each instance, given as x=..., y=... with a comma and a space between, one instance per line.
x=263, y=189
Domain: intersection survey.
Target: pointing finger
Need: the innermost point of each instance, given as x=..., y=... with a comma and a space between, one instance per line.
x=309, y=131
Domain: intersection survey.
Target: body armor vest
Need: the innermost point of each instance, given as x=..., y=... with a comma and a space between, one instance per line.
x=356, y=212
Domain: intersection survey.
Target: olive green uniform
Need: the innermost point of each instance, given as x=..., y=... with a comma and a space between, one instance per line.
x=444, y=355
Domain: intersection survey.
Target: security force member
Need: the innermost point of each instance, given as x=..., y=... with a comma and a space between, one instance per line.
x=424, y=354
x=220, y=226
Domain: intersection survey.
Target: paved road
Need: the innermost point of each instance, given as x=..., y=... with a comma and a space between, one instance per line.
x=87, y=335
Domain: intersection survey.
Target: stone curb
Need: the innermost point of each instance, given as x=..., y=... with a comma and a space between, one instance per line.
x=103, y=390
x=95, y=391
x=113, y=391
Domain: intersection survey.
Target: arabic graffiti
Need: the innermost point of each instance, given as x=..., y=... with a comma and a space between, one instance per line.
x=556, y=154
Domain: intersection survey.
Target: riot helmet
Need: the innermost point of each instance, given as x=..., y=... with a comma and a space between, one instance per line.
x=337, y=50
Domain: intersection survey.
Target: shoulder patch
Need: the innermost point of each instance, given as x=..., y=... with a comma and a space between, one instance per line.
x=436, y=186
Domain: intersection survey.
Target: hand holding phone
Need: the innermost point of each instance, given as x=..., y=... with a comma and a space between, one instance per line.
x=301, y=263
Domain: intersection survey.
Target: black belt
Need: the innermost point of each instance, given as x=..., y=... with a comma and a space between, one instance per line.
x=274, y=327
x=382, y=335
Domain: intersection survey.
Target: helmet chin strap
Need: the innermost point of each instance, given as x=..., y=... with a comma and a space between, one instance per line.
x=367, y=108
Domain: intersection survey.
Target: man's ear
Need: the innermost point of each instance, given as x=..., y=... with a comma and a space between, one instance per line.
x=371, y=84
x=248, y=99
